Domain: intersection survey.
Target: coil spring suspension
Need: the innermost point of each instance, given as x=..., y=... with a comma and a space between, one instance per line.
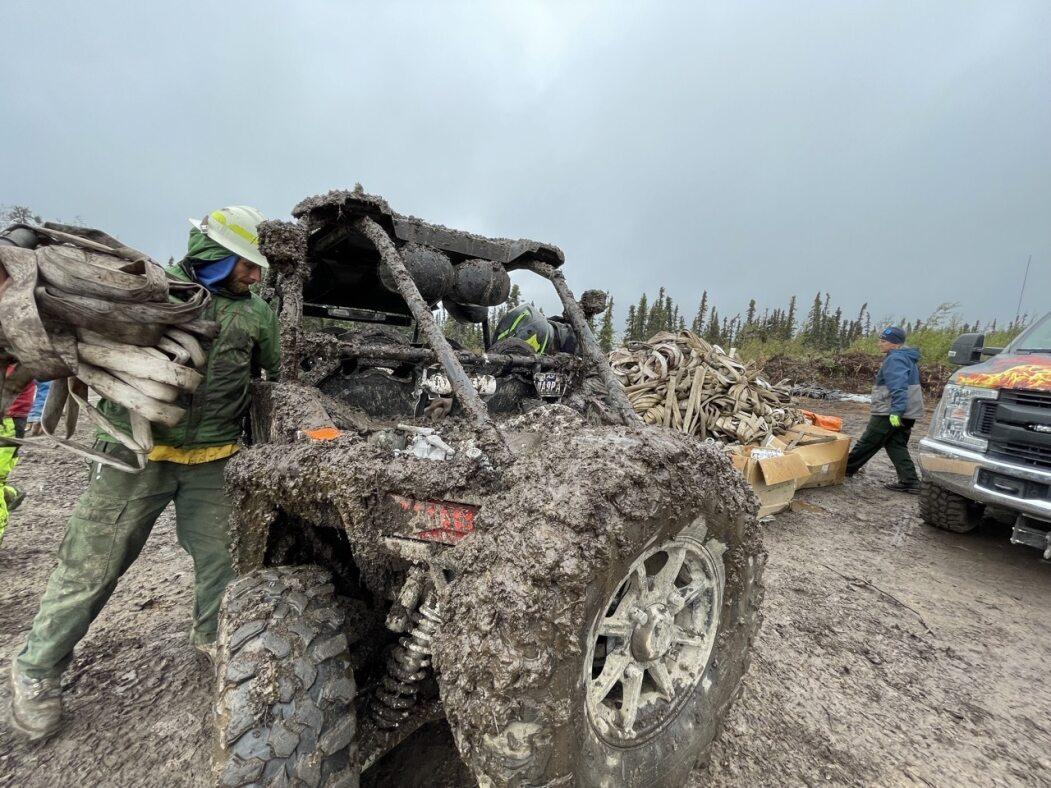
x=406, y=667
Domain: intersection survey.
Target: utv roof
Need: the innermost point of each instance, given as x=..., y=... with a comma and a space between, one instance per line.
x=345, y=266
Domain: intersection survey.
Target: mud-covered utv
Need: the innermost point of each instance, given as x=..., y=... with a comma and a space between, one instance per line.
x=490, y=537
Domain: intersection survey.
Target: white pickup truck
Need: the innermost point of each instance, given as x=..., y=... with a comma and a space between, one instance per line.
x=989, y=443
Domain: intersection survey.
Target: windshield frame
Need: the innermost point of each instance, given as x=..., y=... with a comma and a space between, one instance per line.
x=1022, y=340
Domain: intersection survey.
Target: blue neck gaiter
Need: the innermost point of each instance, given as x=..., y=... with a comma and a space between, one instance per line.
x=210, y=274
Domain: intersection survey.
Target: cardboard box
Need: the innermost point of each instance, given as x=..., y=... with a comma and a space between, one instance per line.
x=824, y=452
x=773, y=478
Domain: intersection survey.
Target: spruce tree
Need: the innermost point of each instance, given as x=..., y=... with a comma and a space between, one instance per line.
x=790, y=320
x=702, y=309
x=711, y=333
x=629, y=327
x=655, y=319
x=642, y=315
x=813, y=325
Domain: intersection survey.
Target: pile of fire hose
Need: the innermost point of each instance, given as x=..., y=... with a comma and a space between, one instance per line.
x=81, y=309
x=684, y=383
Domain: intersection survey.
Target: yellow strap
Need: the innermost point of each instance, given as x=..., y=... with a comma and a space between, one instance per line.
x=192, y=456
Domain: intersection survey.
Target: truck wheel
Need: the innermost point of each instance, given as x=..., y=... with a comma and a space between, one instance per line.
x=285, y=694
x=665, y=643
x=946, y=510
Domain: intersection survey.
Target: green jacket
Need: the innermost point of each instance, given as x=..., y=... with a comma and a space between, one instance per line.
x=247, y=342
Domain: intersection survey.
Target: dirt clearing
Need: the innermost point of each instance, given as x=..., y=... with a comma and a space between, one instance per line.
x=890, y=653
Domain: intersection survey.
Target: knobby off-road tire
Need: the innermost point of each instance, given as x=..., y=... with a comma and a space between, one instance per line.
x=947, y=510
x=723, y=556
x=285, y=697
x=683, y=733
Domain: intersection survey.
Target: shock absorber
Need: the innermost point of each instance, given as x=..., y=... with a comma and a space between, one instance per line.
x=406, y=667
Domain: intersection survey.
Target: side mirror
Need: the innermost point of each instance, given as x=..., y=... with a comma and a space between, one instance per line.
x=967, y=349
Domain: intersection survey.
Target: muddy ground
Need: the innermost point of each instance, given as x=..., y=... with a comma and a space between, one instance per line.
x=891, y=654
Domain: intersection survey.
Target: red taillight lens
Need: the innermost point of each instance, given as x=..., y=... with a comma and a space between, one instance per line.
x=437, y=521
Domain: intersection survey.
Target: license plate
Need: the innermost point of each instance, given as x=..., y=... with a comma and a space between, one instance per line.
x=550, y=384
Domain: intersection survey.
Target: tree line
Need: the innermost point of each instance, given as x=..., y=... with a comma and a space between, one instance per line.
x=823, y=327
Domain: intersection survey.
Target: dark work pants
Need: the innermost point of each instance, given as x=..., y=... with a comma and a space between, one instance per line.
x=879, y=434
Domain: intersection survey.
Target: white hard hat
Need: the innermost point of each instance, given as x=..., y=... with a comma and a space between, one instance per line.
x=235, y=228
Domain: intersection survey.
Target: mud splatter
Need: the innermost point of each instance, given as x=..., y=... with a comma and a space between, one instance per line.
x=284, y=244
x=341, y=482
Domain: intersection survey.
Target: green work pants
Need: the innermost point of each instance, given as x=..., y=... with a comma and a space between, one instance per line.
x=881, y=434
x=109, y=526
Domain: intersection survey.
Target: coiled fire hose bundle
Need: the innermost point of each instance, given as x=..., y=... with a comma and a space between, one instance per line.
x=81, y=309
x=682, y=382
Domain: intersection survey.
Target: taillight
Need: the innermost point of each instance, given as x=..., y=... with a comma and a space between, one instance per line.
x=437, y=521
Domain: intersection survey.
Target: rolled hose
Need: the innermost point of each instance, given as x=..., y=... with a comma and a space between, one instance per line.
x=80, y=308
x=680, y=381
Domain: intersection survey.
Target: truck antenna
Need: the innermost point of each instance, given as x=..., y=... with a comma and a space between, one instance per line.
x=1025, y=278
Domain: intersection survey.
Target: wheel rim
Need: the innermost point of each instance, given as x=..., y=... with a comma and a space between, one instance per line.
x=652, y=641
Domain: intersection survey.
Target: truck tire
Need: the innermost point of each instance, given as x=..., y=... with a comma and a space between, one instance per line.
x=947, y=510
x=284, y=705
x=722, y=561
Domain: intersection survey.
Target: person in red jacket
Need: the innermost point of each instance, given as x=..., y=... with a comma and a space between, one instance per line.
x=19, y=410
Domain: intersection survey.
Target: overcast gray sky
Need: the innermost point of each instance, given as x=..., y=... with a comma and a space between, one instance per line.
x=896, y=153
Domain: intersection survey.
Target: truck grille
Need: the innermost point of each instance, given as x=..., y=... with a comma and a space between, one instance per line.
x=1008, y=424
x=1037, y=399
x=983, y=418
x=1021, y=453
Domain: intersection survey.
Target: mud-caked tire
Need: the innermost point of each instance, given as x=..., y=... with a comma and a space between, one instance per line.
x=562, y=734
x=666, y=756
x=284, y=708
x=947, y=510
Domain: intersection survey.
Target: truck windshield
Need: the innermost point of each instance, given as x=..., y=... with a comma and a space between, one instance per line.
x=1035, y=339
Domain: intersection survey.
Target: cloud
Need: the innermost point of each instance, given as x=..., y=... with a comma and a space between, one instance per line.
x=885, y=153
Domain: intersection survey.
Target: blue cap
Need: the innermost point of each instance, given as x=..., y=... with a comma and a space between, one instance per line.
x=894, y=335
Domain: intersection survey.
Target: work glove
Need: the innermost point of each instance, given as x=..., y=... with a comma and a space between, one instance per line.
x=895, y=420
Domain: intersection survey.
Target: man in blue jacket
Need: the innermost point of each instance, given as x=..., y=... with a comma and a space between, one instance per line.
x=897, y=401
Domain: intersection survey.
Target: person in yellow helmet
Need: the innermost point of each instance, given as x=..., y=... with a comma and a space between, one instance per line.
x=114, y=516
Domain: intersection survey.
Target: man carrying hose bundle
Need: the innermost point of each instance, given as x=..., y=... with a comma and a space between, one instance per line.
x=114, y=516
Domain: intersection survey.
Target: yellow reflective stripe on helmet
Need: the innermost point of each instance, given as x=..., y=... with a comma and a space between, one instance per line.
x=514, y=325
x=236, y=229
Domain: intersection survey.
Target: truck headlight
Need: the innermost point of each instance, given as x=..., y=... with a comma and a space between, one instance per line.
x=953, y=414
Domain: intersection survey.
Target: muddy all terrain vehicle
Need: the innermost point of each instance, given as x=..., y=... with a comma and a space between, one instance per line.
x=494, y=538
